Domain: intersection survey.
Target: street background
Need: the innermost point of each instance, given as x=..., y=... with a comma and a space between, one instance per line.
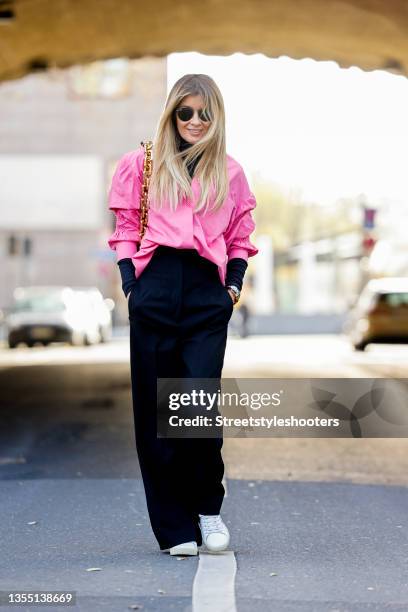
x=317, y=524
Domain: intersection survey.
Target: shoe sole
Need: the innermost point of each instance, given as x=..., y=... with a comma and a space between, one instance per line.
x=182, y=549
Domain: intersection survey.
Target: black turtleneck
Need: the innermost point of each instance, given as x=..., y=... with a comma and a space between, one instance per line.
x=182, y=146
x=236, y=267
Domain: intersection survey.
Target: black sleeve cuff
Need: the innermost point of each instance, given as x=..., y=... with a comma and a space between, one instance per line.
x=236, y=268
x=127, y=272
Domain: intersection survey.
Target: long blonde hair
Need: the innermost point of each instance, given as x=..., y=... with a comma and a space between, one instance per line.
x=170, y=180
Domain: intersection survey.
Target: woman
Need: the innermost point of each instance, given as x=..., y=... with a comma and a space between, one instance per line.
x=182, y=281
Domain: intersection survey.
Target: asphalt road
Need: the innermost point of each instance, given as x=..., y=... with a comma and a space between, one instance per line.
x=317, y=524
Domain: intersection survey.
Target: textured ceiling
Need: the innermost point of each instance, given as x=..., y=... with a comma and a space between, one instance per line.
x=36, y=34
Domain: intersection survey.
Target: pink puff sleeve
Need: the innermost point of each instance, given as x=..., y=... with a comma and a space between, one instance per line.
x=124, y=201
x=241, y=224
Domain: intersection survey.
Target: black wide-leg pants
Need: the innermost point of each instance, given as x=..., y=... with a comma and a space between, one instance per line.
x=179, y=312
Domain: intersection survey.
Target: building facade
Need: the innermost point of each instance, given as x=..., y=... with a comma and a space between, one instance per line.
x=62, y=134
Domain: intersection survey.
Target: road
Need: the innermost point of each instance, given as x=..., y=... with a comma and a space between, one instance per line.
x=317, y=524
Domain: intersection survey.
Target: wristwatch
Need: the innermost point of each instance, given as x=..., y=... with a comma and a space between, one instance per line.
x=235, y=291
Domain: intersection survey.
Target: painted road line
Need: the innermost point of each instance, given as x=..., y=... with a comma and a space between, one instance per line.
x=214, y=583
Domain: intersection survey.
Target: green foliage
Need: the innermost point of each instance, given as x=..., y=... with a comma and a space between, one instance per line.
x=288, y=219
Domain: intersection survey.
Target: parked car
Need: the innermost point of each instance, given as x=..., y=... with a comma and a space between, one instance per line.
x=48, y=314
x=380, y=314
x=102, y=310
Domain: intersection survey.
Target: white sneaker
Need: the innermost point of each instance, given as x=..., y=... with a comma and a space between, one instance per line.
x=215, y=533
x=187, y=548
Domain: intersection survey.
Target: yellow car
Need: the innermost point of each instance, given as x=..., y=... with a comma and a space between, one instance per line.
x=380, y=314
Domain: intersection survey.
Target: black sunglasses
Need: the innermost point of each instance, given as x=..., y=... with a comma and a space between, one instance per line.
x=185, y=113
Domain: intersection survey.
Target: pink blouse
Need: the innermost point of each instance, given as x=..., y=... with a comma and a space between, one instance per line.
x=218, y=236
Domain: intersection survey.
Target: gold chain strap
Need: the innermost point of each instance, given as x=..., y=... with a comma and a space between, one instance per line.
x=147, y=171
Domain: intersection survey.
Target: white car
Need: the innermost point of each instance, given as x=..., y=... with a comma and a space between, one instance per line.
x=46, y=314
x=102, y=310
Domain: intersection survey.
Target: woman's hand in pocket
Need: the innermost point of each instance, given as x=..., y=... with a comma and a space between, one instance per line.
x=232, y=295
x=132, y=288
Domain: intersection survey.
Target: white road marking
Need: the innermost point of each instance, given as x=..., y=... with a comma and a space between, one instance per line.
x=214, y=583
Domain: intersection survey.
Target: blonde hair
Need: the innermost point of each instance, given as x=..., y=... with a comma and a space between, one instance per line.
x=170, y=180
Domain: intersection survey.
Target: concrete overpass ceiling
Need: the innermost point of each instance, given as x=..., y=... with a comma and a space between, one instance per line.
x=40, y=34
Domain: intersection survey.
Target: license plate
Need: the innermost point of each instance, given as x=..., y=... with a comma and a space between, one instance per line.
x=41, y=332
